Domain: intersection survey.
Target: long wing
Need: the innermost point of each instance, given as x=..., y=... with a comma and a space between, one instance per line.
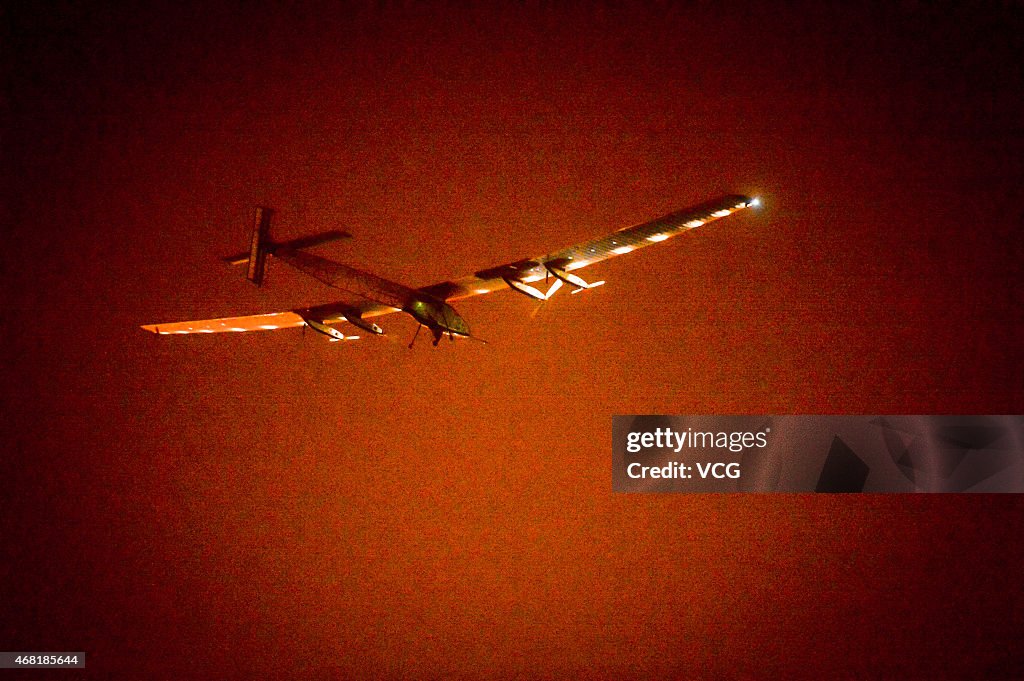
x=382, y=297
x=385, y=297
x=332, y=313
x=256, y=322
x=627, y=240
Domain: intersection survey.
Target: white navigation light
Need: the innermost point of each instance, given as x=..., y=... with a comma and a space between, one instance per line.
x=755, y=202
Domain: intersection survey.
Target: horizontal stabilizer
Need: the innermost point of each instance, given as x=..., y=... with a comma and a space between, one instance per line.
x=258, y=246
x=294, y=244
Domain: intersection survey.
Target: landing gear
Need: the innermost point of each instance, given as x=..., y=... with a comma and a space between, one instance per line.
x=438, y=333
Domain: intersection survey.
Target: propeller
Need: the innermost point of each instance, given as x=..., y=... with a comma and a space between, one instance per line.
x=547, y=296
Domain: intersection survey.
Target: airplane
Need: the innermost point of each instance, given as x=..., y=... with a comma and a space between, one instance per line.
x=430, y=305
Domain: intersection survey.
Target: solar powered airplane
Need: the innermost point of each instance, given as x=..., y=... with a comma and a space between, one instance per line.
x=430, y=305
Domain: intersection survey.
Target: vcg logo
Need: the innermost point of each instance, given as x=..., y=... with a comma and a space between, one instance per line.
x=719, y=470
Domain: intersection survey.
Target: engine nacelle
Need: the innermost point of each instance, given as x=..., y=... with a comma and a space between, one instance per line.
x=333, y=334
x=354, y=319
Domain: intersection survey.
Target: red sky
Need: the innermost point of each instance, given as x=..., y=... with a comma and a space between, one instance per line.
x=268, y=505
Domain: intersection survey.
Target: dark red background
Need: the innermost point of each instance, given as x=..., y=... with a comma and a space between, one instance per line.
x=268, y=505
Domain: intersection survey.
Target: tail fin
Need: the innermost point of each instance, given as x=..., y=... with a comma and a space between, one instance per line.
x=259, y=245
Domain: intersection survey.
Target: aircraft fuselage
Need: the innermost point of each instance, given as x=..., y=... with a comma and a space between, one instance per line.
x=438, y=316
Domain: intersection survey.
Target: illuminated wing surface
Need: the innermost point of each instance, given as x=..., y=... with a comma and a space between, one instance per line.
x=256, y=322
x=521, y=273
x=332, y=313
